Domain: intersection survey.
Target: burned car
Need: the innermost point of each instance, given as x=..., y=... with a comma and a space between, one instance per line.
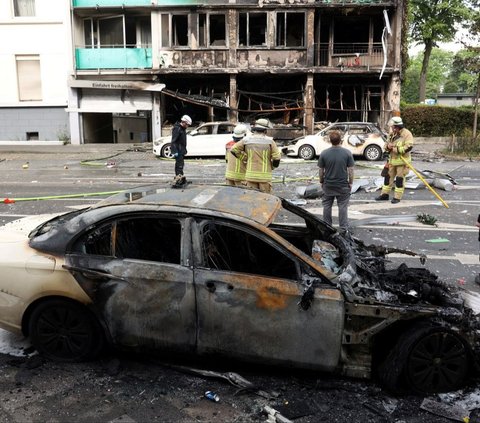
x=227, y=271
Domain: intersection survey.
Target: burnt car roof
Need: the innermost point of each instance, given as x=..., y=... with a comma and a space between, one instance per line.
x=54, y=235
x=247, y=203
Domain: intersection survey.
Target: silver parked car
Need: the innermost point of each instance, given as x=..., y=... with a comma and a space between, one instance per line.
x=217, y=270
x=361, y=138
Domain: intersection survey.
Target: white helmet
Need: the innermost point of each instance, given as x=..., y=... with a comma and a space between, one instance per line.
x=187, y=119
x=397, y=121
x=239, y=131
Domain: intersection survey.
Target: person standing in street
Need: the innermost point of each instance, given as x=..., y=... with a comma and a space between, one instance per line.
x=263, y=156
x=235, y=170
x=179, y=147
x=336, y=177
x=399, y=145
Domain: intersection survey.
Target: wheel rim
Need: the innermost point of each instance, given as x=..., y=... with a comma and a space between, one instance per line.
x=372, y=153
x=63, y=333
x=167, y=152
x=438, y=362
x=306, y=153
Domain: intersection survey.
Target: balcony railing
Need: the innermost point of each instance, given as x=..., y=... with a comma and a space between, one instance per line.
x=351, y=55
x=113, y=58
x=120, y=3
x=112, y=3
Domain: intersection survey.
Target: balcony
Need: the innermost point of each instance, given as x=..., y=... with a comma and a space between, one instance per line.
x=352, y=55
x=112, y=3
x=132, y=3
x=113, y=58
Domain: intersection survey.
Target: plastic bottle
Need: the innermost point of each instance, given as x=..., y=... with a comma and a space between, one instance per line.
x=212, y=396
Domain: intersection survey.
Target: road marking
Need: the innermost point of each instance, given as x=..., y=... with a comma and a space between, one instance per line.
x=462, y=258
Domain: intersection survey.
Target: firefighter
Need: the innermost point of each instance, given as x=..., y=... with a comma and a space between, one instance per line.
x=235, y=171
x=399, y=144
x=263, y=156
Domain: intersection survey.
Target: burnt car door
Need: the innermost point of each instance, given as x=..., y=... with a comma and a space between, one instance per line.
x=249, y=294
x=136, y=271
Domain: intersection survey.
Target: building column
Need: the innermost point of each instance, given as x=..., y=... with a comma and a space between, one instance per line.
x=156, y=117
x=74, y=117
x=308, y=101
x=233, y=113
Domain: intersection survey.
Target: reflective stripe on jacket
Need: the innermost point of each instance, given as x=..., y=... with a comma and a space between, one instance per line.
x=261, y=151
x=235, y=167
x=403, y=145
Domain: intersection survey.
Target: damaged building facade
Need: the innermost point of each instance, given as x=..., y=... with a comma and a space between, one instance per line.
x=140, y=64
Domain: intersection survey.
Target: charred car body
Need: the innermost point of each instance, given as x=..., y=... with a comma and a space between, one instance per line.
x=217, y=270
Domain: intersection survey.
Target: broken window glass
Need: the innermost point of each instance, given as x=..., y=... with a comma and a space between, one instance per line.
x=143, y=238
x=252, y=29
x=229, y=248
x=217, y=30
x=149, y=238
x=290, y=29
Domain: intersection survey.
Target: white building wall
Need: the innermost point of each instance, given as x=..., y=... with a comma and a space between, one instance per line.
x=47, y=34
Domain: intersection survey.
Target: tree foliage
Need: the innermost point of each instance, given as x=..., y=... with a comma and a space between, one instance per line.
x=431, y=22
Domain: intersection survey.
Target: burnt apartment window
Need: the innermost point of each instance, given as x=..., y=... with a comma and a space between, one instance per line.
x=211, y=30
x=252, y=29
x=290, y=29
x=180, y=30
x=24, y=8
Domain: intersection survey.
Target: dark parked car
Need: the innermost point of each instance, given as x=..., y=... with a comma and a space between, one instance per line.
x=216, y=270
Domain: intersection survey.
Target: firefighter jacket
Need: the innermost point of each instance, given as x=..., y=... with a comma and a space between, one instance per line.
x=236, y=168
x=262, y=156
x=403, y=144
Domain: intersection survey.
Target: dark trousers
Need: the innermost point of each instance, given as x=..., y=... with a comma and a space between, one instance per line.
x=343, y=198
x=179, y=164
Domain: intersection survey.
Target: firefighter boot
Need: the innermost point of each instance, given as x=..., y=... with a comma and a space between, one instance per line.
x=382, y=197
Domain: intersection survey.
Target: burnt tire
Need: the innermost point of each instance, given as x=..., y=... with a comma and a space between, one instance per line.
x=65, y=331
x=426, y=360
x=372, y=153
x=166, y=151
x=306, y=152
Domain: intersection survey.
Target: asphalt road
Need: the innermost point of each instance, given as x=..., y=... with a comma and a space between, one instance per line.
x=135, y=389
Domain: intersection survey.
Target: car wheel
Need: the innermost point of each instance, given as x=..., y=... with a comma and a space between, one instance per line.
x=426, y=360
x=167, y=151
x=372, y=153
x=306, y=152
x=65, y=331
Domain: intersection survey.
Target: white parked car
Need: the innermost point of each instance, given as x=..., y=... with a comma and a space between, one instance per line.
x=361, y=138
x=208, y=139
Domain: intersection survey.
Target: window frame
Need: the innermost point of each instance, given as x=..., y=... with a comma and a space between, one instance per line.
x=247, y=23
x=37, y=91
x=285, y=30
x=15, y=9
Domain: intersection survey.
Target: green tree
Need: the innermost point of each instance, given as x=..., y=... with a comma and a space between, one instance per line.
x=431, y=22
x=439, y=69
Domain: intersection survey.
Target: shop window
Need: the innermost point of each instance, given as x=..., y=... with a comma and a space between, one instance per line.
x=29, y=78
x=252, y=29
x=290, y=29
x=24, y=8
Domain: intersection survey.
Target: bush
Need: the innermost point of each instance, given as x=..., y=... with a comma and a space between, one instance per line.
x=437, y=121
